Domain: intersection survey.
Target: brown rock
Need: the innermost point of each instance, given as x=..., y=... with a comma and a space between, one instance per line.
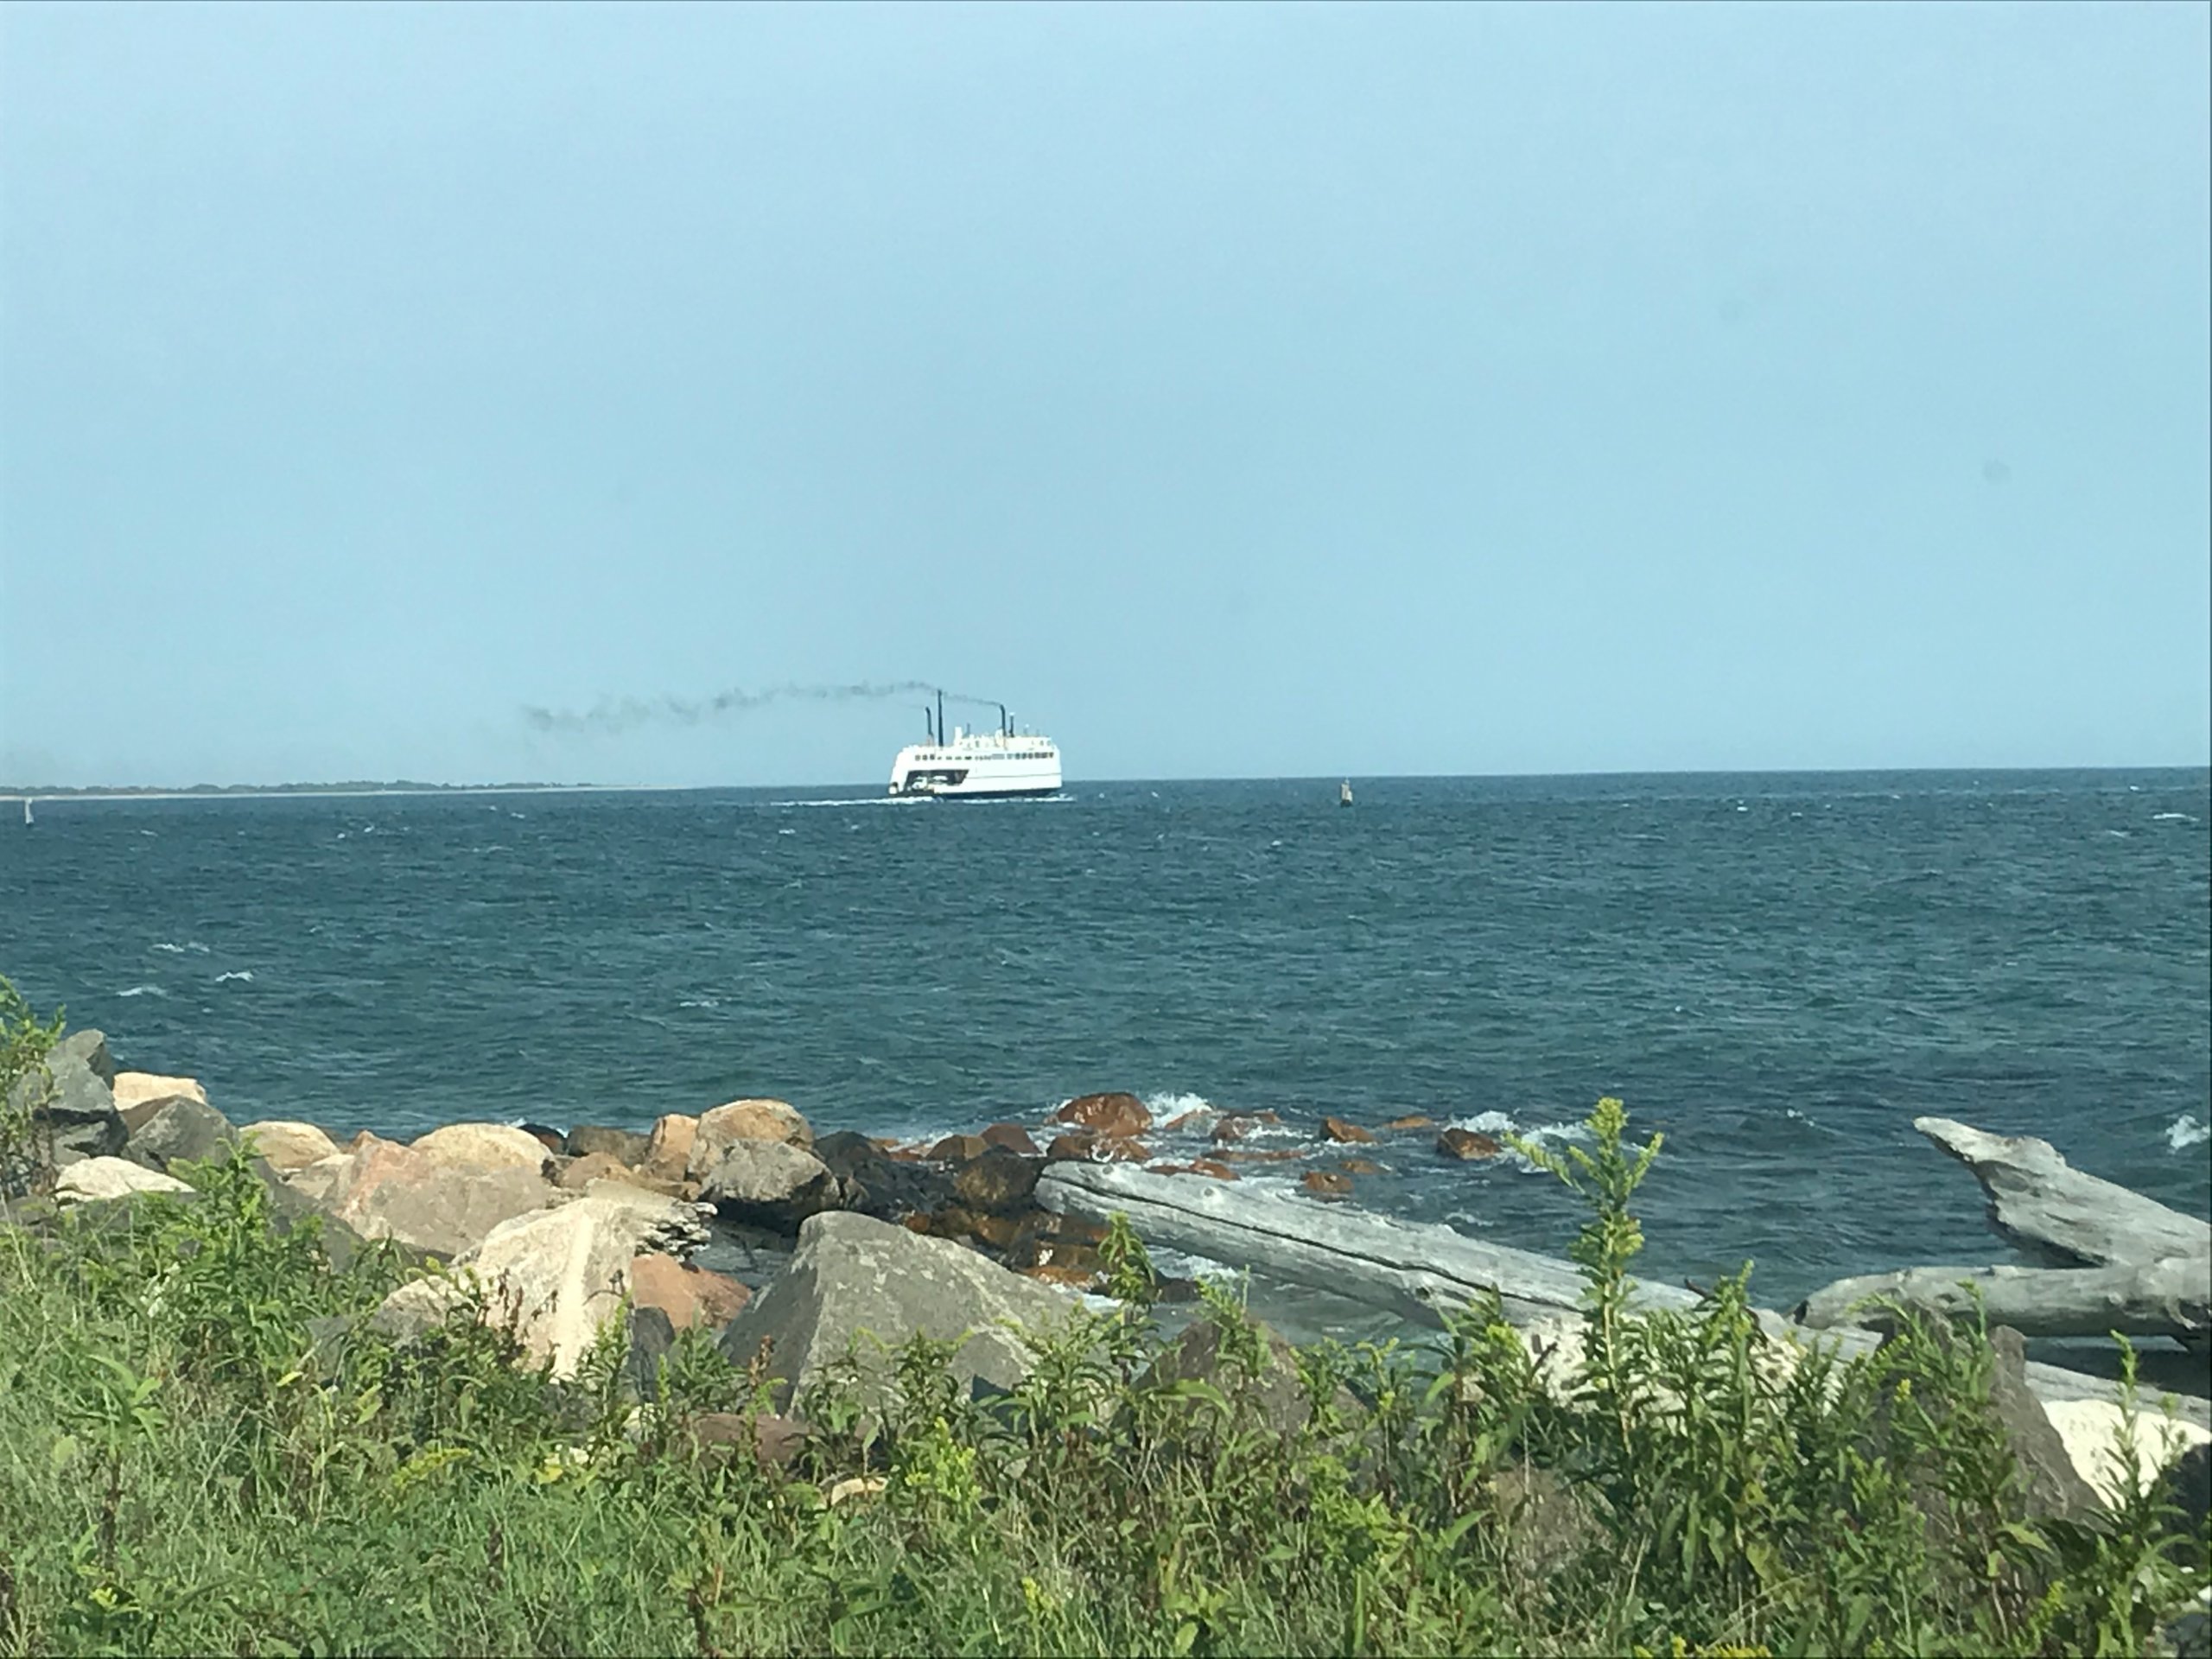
x=581, y=1172
x=718, y=1436
x=1237, y=1125
x=1118, y=1116
x=1010, y=1137
x=958, y=1148
x=551, y=1139
x=772, y=1121
x=1358, y=1167
x=1345, y=1133
x=917, y=1222
x=1000, y=1182
x=1467, y=1145
x=1119, y=1149
x=668, y=1148
x=1183, y=1120
x=1220, y=1172
x=1076, y=1144
x=1327, y=1184
x=1413, y=1121
x=687, y=1295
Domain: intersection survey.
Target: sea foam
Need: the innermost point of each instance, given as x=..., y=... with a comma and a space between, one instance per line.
x=2187, y=1131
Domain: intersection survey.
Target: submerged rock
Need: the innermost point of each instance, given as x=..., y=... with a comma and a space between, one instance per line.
x=1118, y=1116
x=1327, y=1183
x=861, y=1285
x=1345, y=1133
x=1467, y=1145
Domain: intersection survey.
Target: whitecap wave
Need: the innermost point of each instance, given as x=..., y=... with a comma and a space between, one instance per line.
x=171, y=949
x=2171, y=817
x=698, y=1002
x=243, y=974
x=144, y=990
x=1166, y=1108
x=2187, y=1131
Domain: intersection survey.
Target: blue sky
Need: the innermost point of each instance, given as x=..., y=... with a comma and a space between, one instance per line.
x=1236, y=391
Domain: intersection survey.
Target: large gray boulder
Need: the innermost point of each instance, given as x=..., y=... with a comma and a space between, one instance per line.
x=91, y=1047
x=770, y=1184
x=80, y=1110
x=180, y=1130
x=860, y=1287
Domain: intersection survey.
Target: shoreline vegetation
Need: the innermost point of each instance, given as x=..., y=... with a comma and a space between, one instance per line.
x=262, y=1392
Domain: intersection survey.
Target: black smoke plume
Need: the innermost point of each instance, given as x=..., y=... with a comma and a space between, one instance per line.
x=615, y=714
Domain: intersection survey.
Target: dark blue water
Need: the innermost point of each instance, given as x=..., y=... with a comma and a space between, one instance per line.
x=1779, y=971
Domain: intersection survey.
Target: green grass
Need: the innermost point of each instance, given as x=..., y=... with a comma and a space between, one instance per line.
x=204, y=1450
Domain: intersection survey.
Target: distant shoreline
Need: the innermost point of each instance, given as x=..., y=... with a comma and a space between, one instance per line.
x=341, y=791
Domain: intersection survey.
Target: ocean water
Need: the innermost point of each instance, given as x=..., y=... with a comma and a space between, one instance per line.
x=1779, y=972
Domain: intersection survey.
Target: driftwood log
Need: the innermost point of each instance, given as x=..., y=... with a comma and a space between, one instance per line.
x=1415, y=1270
x=2127, y=1263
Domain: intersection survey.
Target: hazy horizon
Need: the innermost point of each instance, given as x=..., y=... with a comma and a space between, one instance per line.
x=1235, y=392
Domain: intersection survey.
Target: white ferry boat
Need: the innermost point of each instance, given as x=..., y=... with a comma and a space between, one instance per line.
x=977, y=765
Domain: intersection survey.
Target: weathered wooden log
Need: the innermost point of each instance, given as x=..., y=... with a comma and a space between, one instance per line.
x=1415, y=1270
x=2040, y=1202
x=1412, y=1268
x=2173, y=1297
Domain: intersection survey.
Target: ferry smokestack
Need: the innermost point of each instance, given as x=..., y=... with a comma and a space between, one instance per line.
x=940, y=717
x=1006, y=726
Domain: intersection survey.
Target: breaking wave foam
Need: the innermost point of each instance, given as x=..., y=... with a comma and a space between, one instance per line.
x=1498, y=1125
x=144, y=990
x=2187, y=1131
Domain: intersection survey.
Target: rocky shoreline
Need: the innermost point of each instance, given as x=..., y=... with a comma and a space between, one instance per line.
x=816, y=1238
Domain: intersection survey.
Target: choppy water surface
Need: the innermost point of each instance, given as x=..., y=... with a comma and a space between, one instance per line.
x=1779, y=971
